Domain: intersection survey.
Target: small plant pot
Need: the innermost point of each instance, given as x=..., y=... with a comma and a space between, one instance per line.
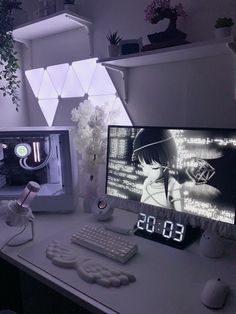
x=222, y=32
x=113, y=51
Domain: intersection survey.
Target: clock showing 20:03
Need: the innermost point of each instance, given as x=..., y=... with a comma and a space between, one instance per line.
x=164, y=230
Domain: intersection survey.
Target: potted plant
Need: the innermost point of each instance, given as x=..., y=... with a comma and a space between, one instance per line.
x=8, y=57
x=113, y=47
x=223, y=27
x=69, y=5
x=159, y=10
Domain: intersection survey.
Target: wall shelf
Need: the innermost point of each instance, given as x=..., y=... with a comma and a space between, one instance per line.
x=172, y=54
x=185, y=52
x=59, y=22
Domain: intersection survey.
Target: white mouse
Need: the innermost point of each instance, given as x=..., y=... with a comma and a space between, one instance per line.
x=214, y=293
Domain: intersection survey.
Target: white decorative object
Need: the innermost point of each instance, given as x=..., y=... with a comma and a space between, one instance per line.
x=223, y=26
x=214, y=293
x=223, y=32
x=211, y=245
x=88, y=269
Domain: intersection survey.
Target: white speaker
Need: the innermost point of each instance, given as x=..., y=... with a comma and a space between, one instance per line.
x=102, y=209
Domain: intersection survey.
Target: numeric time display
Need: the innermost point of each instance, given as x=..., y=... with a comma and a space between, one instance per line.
x=168, y=229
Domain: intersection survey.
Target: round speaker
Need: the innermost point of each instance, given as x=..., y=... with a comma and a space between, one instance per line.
x=102, y=209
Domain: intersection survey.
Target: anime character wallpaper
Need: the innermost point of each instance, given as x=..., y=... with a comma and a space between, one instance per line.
x=187, y=170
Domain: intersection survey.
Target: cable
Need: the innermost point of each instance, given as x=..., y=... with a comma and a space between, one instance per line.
x=13, y=237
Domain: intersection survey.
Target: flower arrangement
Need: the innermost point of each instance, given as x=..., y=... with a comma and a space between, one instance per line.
x=160, y=9
x=91, y=134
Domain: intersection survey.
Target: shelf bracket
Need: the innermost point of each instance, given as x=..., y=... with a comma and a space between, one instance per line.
x=124, y=74
x=27, y=43
x=89, y=29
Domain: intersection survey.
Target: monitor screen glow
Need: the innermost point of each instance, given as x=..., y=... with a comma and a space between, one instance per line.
x=188, y=170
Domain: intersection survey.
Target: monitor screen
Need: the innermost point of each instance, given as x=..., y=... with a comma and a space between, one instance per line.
x=188, y=170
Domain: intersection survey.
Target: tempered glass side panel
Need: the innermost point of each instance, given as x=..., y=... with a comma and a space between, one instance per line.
x=32, y=156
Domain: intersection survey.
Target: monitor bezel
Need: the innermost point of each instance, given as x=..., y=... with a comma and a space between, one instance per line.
x=137, y=206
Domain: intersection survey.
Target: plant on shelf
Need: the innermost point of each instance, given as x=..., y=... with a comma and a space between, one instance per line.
x=9, y=82
x=159, y=10
x=114, y=40
x=223, y=27
x=224, y=22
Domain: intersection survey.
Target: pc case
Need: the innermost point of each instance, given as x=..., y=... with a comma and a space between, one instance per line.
x=42, y=154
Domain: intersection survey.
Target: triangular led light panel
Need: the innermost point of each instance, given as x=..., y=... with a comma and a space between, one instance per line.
x=49, y=108
x=101, y=83
x=35, y=78
x=72, y=86
x=47, y=90
x=57, y=73
x=84, y=69
x=102, y=100
x=122, y=117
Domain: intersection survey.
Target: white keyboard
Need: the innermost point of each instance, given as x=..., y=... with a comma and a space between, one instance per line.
x=105, y=242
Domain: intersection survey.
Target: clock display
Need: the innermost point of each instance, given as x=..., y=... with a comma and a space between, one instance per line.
x=164, y=230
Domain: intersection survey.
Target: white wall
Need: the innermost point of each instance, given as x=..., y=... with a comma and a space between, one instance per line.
x=193, y=93
x=198, y=92
x=127, y=17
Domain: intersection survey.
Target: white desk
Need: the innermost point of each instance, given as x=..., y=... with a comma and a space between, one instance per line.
x=169, y=281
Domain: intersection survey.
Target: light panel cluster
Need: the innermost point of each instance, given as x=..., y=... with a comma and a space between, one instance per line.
x=84, y=78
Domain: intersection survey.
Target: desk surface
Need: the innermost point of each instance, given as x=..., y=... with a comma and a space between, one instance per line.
x=169, y=281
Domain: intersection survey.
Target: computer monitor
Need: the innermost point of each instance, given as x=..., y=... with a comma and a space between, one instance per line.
x=191, y=171
x=41, y=154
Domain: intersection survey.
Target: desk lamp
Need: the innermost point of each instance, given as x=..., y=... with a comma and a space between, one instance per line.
x=19, y=212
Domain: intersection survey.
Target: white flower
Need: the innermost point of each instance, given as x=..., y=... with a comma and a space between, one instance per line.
x=91, y=133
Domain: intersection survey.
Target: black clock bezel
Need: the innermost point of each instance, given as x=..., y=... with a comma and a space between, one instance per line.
x=191, y=234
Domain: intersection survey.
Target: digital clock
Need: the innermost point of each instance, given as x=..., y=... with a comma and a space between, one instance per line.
x=165, y=231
